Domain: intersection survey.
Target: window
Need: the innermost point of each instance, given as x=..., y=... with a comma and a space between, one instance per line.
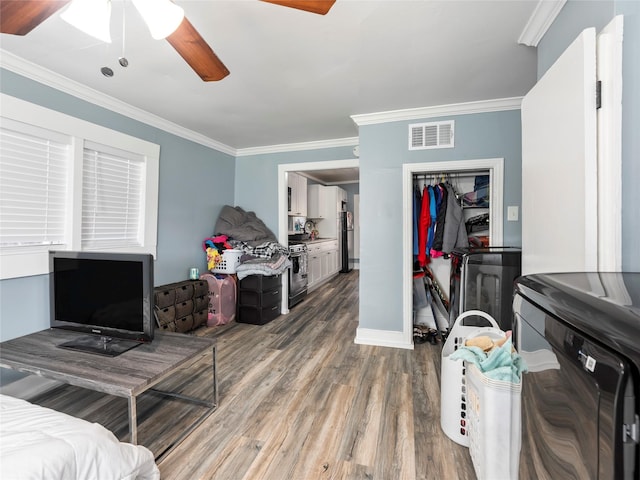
x=67, y=184
x=112, y=199
x=33, y=185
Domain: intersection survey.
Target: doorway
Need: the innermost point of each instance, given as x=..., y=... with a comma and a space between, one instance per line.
x=495, y=168
x=283, y=169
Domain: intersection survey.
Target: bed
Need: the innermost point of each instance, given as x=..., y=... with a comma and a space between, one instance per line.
x=40, y=443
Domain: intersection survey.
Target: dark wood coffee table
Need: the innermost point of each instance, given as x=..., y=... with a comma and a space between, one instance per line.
x=127, y=375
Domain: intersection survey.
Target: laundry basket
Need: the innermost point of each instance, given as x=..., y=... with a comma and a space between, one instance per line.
x=453, y=389
x=494, y=426
x=229, y=262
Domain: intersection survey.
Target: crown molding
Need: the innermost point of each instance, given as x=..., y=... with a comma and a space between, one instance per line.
x=296, y=147
x=541, y=19
x=42, y=75
x=49, y=78
x=467, y=108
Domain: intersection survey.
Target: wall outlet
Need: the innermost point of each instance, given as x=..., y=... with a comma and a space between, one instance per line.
x=512, y=213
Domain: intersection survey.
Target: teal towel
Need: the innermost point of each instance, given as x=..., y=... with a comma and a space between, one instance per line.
x=500, y=364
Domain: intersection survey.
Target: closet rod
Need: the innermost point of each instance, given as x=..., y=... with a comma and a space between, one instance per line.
x=449, y=173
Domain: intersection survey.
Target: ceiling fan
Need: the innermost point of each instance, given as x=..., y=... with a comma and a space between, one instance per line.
x=19, y=17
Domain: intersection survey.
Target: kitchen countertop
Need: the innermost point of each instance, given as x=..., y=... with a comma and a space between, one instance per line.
x=318, y=240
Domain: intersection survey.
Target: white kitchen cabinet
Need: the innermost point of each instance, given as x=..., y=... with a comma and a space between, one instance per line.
x=322, y=262
x=328, y=222
x=334, y=198
x=314, y=269
x=297, y=193
x=316, y=200
x=334, y=260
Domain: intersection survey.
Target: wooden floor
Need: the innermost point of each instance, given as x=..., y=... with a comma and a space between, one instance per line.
x=298, y=400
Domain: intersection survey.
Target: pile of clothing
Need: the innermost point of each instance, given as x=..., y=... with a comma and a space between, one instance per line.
x=497, y=359
x=238, y=229
x=215, y=246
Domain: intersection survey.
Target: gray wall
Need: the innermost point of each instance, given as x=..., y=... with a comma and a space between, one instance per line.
x=575, y=17
x=257, y=178
x=195, y=182
x=383, y=151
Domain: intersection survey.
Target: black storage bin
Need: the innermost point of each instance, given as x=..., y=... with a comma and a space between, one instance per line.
x=482, y=278
x=260, y=282
x=256, y=315
x=259, y=299
x=251, y=298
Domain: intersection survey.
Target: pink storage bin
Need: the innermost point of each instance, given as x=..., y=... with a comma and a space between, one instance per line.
x=222, y=299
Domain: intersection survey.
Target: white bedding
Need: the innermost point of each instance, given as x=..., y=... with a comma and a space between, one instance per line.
x=39, y=443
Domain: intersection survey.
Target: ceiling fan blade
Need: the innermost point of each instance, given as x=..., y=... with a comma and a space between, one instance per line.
x=197, y=53
x=320, y=7
x=19, y=17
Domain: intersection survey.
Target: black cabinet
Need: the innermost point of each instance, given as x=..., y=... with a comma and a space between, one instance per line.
x=259, y=299
x=482, y=279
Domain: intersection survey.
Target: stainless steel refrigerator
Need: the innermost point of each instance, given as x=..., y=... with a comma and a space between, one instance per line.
x=346, y=239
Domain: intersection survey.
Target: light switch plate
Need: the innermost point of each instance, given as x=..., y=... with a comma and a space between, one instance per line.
x=512, y=213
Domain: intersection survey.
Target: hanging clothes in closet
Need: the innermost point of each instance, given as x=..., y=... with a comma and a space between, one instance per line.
x=438, y=222
x=424, y=222
x=436, y=251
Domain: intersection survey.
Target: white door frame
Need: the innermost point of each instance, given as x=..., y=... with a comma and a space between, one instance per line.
x=496, y=177
x=609, y=134
x=356, y=230
x=283, y=235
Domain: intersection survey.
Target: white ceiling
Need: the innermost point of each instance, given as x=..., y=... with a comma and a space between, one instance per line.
x=332, y=176
x=296, y=76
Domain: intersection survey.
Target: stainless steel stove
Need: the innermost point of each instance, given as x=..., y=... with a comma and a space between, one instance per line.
x=297, y=272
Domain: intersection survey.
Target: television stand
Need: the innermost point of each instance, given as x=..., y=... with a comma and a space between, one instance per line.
x=128, y=375
x=100, y=345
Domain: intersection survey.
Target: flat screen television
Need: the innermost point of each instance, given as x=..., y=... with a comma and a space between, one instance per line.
x=108, y=296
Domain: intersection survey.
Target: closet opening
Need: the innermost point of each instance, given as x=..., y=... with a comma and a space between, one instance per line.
x=477, y=186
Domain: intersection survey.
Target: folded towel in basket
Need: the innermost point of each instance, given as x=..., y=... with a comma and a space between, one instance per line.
x=259, y=266
x=501, y=363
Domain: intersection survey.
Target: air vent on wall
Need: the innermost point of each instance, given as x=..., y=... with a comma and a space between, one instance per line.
x=431, y=135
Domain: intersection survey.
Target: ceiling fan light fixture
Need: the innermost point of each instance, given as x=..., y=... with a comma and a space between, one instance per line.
x=91, y=17
x=162, y=17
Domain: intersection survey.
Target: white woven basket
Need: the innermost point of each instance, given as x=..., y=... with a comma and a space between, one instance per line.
x=229, y=263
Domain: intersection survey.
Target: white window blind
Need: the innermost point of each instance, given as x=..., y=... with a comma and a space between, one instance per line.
x=112, y=198
x=33, y=185
x=67, y=184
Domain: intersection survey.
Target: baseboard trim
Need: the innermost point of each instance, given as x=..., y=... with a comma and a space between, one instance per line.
x=382, y=338
x=29, y=387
